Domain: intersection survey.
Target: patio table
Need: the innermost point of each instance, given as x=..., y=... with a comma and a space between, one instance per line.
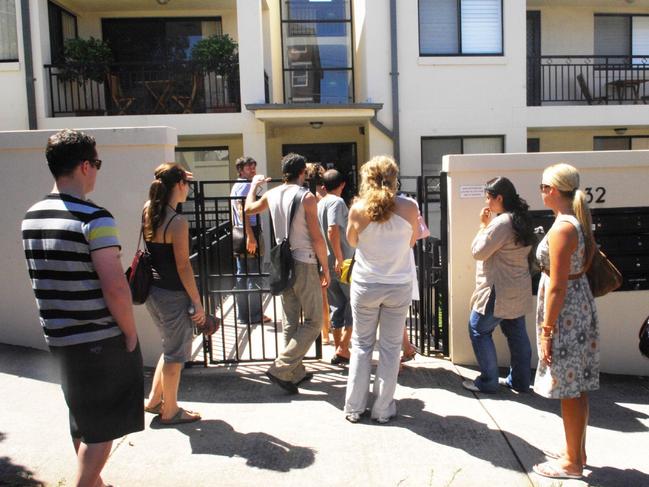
x=160, y=90
x=621, y=85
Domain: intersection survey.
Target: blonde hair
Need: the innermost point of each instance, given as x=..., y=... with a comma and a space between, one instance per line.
x=565, y=178
x=379, y=186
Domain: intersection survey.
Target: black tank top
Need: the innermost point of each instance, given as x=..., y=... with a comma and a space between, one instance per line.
x=163, y=262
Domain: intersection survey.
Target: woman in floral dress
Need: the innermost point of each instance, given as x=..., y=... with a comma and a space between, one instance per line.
x=566, y=318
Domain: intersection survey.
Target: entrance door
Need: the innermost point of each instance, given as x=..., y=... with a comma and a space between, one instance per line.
x=533, y=58
x=340, y=156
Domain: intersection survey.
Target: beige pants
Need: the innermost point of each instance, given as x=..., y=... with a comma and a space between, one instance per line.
x=305, y=295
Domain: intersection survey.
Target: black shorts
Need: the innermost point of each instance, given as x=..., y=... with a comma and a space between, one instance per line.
x=103, y=385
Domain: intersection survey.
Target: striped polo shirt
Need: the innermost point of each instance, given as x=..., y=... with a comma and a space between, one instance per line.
x=59, y=233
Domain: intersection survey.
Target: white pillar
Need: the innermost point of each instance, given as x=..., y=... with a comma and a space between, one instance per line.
x=251, y=49
x=254, y=145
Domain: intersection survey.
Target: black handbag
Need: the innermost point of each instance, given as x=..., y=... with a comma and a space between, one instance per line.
x=140, y=274
x=282, y=267
x=239, y=240
x=644, y=338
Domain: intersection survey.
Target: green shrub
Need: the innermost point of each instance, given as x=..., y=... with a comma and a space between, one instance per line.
x=216, y=54
x=85, y=59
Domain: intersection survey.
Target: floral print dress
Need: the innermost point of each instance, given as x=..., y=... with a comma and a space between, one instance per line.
x=575, y=344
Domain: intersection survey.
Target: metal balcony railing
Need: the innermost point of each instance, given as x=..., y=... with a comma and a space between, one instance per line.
x=587, y=79
x=144, y=89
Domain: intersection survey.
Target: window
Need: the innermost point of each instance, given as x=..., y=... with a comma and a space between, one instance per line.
x=433, y=149
x=63, y=26
x=8, y=33
x=317, y=51
x=618, y=37
x=640, y=142
x=460, y=27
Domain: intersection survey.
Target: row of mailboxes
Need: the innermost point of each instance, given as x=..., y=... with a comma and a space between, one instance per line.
x=623, y=235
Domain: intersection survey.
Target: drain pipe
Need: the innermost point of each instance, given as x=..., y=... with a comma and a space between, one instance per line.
x=395, y=79
x=29, y=65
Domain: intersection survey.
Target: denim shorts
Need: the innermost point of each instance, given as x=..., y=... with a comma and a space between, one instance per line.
x=169, y=312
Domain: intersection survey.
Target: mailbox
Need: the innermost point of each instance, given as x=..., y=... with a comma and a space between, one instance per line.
x=623, y=235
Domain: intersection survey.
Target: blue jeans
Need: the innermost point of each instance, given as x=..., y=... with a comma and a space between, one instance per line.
x=249, y=309
x=480, y=330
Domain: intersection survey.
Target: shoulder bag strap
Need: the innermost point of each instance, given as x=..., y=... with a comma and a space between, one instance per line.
x=294, y=204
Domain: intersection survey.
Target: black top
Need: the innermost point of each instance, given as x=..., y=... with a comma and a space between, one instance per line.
x=163, y=262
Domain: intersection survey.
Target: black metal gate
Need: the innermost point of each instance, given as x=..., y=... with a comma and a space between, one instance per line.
x=209, y=211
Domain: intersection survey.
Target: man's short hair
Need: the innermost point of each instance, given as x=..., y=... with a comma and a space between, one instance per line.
x=67, y=149
x=242, y=161
x=332, y=179
x=292, y=165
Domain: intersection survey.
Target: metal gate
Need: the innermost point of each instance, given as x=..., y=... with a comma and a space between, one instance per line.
x=209, y=212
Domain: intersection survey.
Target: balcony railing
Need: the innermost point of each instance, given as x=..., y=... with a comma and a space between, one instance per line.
x=144, y=89
x=576, y=80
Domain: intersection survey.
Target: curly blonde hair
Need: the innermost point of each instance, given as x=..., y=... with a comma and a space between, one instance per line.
x=379, y=186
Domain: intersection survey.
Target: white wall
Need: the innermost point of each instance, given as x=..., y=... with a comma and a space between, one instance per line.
x=130, y=155
x=461, y=95
x=624, y=175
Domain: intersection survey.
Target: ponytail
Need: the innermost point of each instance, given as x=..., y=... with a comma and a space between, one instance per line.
x=166, y=177
x=582, y=212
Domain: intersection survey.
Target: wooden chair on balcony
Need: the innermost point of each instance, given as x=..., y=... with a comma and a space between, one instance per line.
x=587, y=94
x=186, y=103
x=121, y=103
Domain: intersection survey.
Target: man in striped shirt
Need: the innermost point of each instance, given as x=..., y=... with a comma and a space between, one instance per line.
x=84, y=302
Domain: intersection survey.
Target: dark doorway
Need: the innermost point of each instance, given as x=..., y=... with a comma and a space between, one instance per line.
x=340, y=156
x=533, y=58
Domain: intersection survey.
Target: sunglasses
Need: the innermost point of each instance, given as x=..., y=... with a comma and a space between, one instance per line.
x=544, y=188
x=96, y=163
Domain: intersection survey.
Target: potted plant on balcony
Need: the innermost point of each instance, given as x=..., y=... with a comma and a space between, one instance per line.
x=216, y=60
x=85, y=60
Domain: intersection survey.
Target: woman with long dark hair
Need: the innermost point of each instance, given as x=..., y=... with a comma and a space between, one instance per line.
x=173, y=292
x=380, y=224
x=503, y=292
x=566, y=317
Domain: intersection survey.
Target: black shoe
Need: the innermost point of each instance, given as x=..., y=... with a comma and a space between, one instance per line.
x=284, y=384
x=307, y=377
x=339, y=360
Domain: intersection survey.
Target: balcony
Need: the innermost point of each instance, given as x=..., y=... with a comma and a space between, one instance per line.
x=587, y=80
x=144, y=89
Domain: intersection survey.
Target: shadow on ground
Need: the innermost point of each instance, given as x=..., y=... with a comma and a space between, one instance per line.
x=606, y=404
x=12, y=475
x=260, y=450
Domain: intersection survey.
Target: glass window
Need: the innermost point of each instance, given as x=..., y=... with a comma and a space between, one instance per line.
x=622, y=36
x=433, y=149
x=8, y=33
x=611, y=143
x=63, y=26
x=460, y=27
x=317, y=44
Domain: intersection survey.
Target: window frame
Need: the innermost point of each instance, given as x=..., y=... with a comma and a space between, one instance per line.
x=17, y=58
x=462, y=138
x=60, y=10
x=459, y=34
x=285, y=70
x=630, y=54
x=628, y=138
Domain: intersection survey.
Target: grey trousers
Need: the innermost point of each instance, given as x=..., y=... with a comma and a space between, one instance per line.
x=305, y=295
x=382, y=306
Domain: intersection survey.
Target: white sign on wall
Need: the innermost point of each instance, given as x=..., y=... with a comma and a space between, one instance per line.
x=472, y=191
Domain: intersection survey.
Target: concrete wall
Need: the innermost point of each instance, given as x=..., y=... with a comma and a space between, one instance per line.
x=623, y=174
x=130, y=155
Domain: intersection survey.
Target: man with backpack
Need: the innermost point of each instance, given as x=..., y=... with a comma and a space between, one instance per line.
x=307, y=247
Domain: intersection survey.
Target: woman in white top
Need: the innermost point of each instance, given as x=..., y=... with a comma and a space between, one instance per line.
x=381, y=227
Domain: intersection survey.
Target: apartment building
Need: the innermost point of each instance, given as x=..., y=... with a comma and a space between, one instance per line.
x=340, y=80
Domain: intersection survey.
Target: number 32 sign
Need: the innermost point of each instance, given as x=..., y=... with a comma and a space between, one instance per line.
x=595, y=195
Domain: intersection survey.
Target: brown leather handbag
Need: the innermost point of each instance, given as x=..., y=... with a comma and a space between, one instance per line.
x=602, y=275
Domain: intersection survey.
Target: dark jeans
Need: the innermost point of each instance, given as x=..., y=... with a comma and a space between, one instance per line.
x=249, y=304
x=481, y=326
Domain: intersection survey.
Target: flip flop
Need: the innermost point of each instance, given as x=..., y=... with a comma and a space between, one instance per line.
x=339, y=360
x=553, y=471
x=157, y=409
x=179, y=419
x=553, y=455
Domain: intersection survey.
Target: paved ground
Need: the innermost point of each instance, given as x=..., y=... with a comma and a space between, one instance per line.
x=253, y=434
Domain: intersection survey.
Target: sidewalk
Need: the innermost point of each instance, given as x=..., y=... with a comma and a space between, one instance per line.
x=253, y=434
